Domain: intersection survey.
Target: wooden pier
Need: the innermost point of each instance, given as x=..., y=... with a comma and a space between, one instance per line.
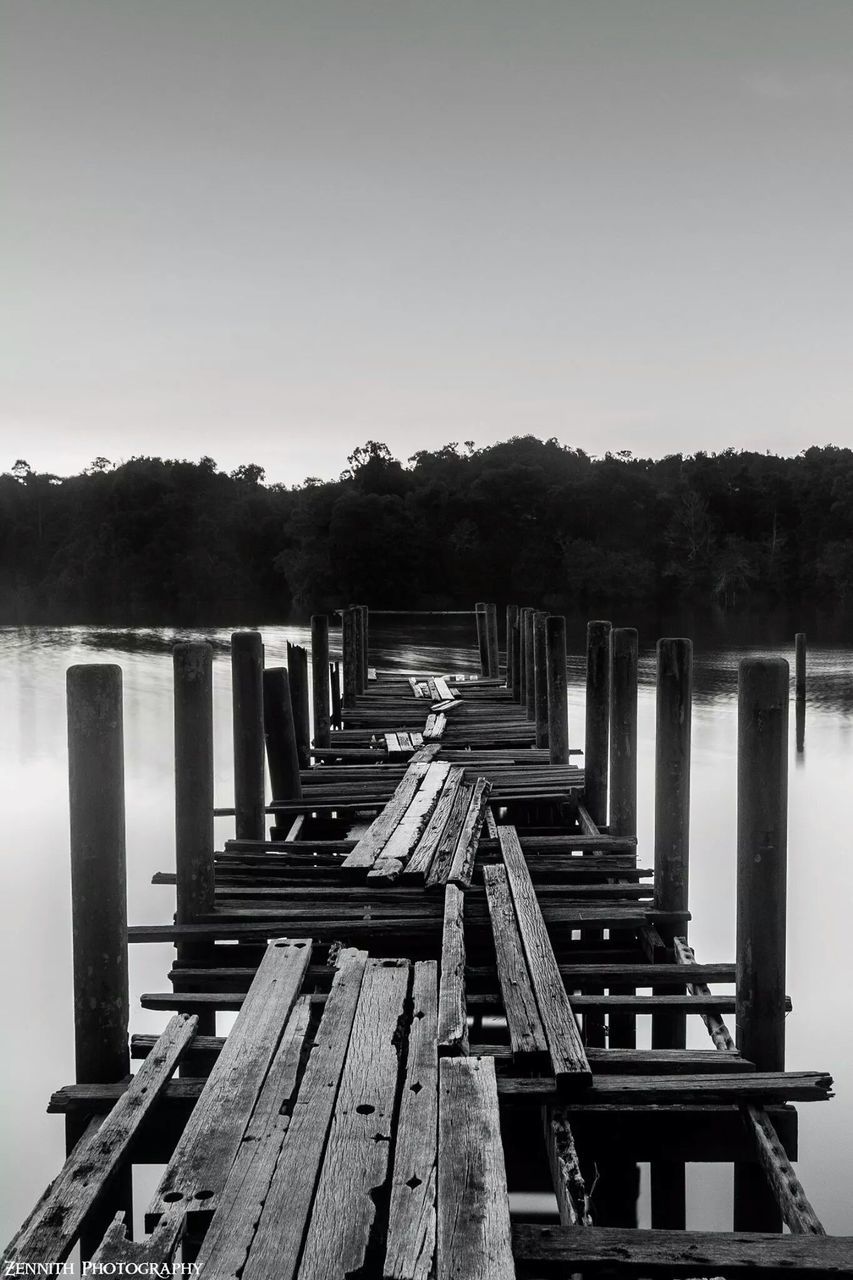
x=438, y=937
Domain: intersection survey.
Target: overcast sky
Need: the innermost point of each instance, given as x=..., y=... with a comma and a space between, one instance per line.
x=268, y=230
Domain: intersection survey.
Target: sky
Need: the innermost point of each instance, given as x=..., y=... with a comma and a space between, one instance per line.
x=269, y=230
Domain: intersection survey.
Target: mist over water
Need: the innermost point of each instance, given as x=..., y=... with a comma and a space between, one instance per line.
x=35, y=879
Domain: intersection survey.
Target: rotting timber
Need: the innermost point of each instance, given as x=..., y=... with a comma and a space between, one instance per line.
x=438, y=940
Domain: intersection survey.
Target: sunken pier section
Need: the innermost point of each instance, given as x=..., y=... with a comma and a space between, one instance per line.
x=444, y=955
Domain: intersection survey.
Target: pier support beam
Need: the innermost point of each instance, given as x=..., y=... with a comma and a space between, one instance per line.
x=800, y=688
x=320, y=679
x=513, y=652
x=363, y=643
x=597, y=728
x=482, y=638
x=297, y=671
x=529, y=664
x=247, y=665
x=98, y=873
x=558, y=697
x=762, y=846
x=193, y=678
x=492, y=647
x=280, y=733
x=540, y=677
x=349, y=624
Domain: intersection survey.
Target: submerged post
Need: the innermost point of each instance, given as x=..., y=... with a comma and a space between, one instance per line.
x=512, y=650
x=320, y=679
x=280, y=733
x=349, y=624
x=672, y=842
x=540, y=677
x=247, y=665
x=762, y=844
x=529, y=665
x=492, y=647
x=98, y=873
x=193, y=677
x=482, y=639
x=297, y=670
x=597, y=728
x=800, y=689
x=558, y=699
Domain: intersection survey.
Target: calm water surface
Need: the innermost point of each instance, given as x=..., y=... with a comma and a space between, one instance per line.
x=34, y=872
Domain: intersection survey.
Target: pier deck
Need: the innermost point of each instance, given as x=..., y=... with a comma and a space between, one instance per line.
x=444, y=965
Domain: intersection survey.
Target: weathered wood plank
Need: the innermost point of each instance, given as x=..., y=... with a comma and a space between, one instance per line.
x=410, y=1248
x=452, y=1012
x=462, y=866
x=446, y=846
x=568, y=1059
x=420, y=861
x=51, y=1230
x=473, y=1237
x=357, y=1154
x=410, y=828
x=382, y=828
x=526, y=1032
x=281, y=1227
x=199, y=1168
x=566, y=1176
x=230, y=1233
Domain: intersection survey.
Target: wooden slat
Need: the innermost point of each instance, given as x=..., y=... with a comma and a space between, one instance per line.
x=281, y=1228
x=419, y=863
x=473, y=1238
x=452, y=1015
x=227, y=1239
x=382, y=828
x=443, y=692
x=445, y=848
x=357, y=1154
x=410, y=1249
x=566, y=1176
x=199, y=1168
x=49, y=1233
x=411, y=826
x=527, y=1035
x=462, y=866
x=568, y=1059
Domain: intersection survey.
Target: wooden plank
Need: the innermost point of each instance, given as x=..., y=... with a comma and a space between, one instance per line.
x=443, y=691
x=568, y=1059
x=199, y=1168
x=357, y=1154
x=446, y=846
x=410, y=1249
x=52, y=1228
x=566, y=1176
x=526, y=1033
x=436, y=723
x=382, y=828
x=228, y=1237
x=452, y=1014
x=446, y=704
x=548, y=1250
x=408, y=832
x=473, y=1237
x=427, y=752
x=405, y=741
x=462, y=867
x=392, y=744
x=420, y=861
x=281, y=1227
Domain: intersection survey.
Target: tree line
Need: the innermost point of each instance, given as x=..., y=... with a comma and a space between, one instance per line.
x=167, y=541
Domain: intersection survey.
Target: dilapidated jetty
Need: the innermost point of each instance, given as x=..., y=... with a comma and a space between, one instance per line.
x=443, y=950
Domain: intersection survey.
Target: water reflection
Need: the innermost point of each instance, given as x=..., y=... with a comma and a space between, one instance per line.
x=34, y=874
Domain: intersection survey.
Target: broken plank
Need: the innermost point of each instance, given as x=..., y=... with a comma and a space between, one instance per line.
x=382, y=828
x=568, y=1059
x=410, y=1248
x=566, y=1176
x=278, y=1240
x=446, y=846
x=462, y=866
x=411, y=826
x=452, y=1015
x=357, y=1154
x=473, y=1235
x=419, y=863
x=526, y=1033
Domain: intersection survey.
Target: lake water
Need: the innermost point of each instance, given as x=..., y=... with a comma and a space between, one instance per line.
x=34, y=869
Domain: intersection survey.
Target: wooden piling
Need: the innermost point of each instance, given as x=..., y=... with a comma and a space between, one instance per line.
x=193, y=683
x=529, y=665
x=360, y=666
x=492, y=647
x=540, y=677
x=297, y=670
x=513, y=653
x=672, y=840
x=482, y=638
x=364, y=642
x=558, y=696
x=623, y=733
x=247, y=665
x=349, y=624
x=597, y=727
x=800, y=664
x=522, y=655
x=281, y=736
x=98, y=872
x=762, y=803
x=320, y=679
x=335, y=688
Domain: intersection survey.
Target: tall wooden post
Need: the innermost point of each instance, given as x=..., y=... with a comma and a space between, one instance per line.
x=800, y=689
x=492, y=647
x=623, y=778
x=358, y=624
x=762, y=848
x=540, y=677
x=672, y=843
x=529, y=665
x=558, y=694
x=193, y=680
x=522, y=655
x=364, y=642
x=247, y=665
x=597, y=728
x=512, y=650
x=335, y=686
x=297, y=670
x=349, y=623
x=320, y=679
x=482, y=638
x=281, y=737
x=98, y=873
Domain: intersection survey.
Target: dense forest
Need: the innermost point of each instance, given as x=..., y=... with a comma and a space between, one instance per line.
x=162, y=541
